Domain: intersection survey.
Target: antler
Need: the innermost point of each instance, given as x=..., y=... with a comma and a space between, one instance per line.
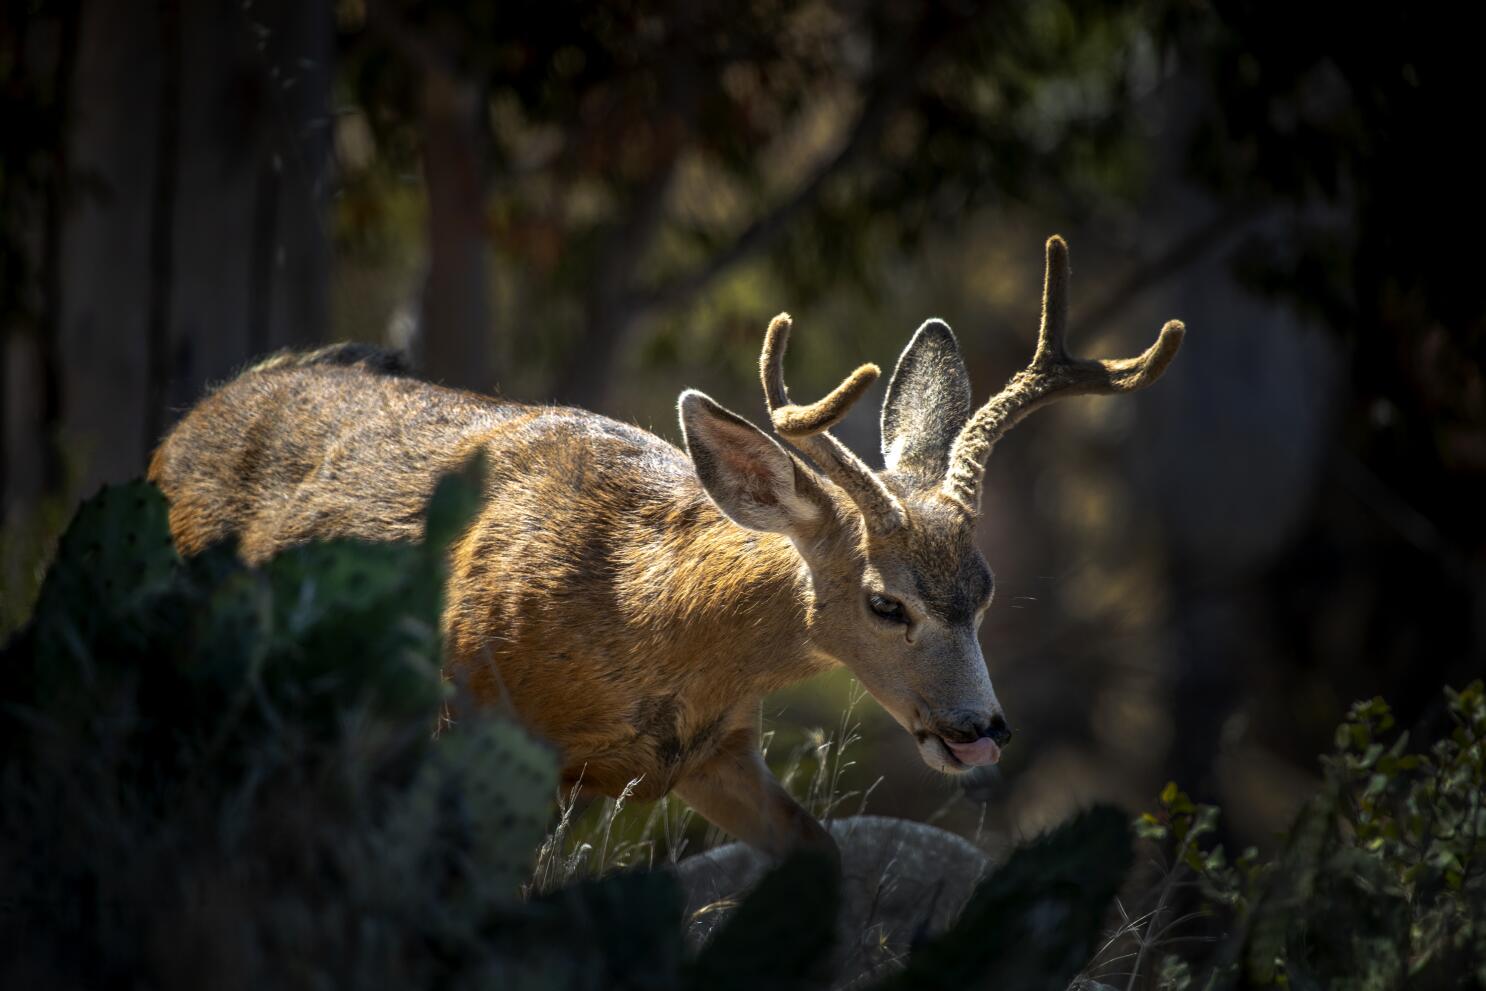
x=806, y=427
x=1052, y=375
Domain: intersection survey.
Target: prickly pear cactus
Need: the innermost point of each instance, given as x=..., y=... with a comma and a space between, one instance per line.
x=1034, y=922
x=486, y=790
x=325, y=623
x=455, y=502
x=272, y=730
x=114, y=559
x=781, y=934
x=506, y=780
x=318, y=632
x=119, y=540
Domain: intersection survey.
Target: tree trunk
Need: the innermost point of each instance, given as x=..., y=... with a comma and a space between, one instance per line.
x=454, y=331
x=589, y=372
x=202, y=144
x=612, y=306
x=40, y=48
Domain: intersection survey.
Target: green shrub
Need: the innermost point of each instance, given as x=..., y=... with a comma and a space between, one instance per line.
x=1380, y=883
x=216, y=775
x=219, y=775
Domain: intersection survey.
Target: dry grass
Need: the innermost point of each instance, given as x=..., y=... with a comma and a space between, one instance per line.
x=1132, y=954
x=590, y=839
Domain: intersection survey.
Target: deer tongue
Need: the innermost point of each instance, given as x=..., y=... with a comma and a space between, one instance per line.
x=982, y=751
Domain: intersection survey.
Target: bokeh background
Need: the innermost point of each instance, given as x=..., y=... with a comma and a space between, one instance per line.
x=604, y=203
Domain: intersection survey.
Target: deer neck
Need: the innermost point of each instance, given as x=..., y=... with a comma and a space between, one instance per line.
x=734, y=600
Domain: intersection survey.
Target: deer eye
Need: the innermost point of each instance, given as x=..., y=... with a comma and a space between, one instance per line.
x=889, y=609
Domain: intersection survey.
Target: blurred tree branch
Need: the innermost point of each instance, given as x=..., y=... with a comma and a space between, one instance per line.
x=604, y=107
x=1186, y=250
x=620, y=302
x=888, y=91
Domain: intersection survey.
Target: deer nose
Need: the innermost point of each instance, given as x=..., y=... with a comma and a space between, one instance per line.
x=998, y=731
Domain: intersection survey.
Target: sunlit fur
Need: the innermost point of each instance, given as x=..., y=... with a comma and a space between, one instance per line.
x=599, y=591
x=631, y=601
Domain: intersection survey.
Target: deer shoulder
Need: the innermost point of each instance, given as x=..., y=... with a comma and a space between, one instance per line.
x=635, y=601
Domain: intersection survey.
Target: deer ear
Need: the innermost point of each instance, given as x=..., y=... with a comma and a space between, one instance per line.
x=754, y=481
x=927, y=404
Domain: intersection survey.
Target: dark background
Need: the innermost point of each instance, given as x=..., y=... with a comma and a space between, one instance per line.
x=604, y=203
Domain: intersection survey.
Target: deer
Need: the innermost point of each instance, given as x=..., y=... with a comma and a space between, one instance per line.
x=633, y=601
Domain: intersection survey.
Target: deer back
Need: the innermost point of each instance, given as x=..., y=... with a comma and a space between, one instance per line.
x=598, y=590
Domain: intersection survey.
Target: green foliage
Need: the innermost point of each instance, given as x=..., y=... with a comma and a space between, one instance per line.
x=1396, y=857
x=640, y=153
x=1381, y=882
x=243, y=761
x=1185, y=825
x=115, y=556
x=221, y=774
x=455, y=501
x=210, y=769
x=501, y=816
x=319, y=627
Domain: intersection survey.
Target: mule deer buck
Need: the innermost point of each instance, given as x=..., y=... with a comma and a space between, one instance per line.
x=633, y=602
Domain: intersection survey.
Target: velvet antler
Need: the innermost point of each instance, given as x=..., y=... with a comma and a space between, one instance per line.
x=807, y=428
x=1053, y=374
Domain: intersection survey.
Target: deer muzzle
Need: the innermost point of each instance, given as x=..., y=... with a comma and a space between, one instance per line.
x=977, y=753
x=972, y=738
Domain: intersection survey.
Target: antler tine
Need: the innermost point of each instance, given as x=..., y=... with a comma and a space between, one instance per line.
x=1053, y=330
x=807, y=428
x=1051, y=375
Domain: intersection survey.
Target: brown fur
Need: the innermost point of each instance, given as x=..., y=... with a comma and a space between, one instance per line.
x=632, y=601
x=598, y=589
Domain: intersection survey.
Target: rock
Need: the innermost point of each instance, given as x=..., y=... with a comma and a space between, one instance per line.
x=901, y=881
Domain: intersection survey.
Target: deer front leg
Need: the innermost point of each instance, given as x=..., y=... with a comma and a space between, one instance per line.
x=735, y=791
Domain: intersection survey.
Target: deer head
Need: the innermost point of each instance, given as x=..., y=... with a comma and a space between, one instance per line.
x=896, y=586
